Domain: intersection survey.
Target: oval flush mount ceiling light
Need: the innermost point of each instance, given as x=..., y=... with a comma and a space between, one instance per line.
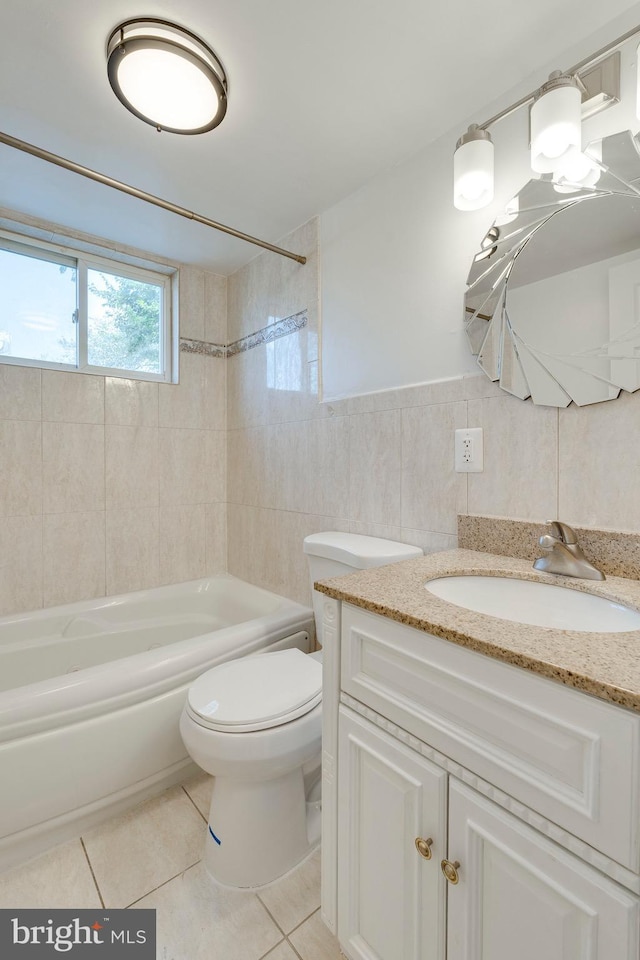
x=166, y=76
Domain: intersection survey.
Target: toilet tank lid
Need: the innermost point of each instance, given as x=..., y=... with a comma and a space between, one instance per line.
x=358, y=551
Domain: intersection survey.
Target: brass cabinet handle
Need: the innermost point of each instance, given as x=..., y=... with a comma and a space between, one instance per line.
x=424, y=847
x=450, y=870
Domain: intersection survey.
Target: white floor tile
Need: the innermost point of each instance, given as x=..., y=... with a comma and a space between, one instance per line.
x=199, y=789
x=138, y=851
x=282, y=952
x=59, y=879
x=293, y=899
x=314, y=941
x=199, y=920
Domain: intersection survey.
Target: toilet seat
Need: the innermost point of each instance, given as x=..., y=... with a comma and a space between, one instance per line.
x=256, y=693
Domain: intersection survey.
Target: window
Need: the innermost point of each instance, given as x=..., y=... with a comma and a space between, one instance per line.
x=81, y=312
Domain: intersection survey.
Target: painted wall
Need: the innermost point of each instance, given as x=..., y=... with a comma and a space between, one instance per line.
x=109, y=485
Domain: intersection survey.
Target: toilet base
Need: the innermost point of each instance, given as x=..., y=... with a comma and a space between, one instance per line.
x=258, y=831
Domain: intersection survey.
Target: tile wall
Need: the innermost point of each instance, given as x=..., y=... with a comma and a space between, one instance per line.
x=109, y=485
x=382, y=464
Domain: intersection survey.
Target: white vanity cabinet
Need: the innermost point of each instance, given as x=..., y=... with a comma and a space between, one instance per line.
x=529, y=789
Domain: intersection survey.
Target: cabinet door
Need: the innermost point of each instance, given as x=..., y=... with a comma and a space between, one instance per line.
x=391, y=900
x=519, y=895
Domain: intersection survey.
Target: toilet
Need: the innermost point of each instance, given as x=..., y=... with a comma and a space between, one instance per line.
x=255, y=724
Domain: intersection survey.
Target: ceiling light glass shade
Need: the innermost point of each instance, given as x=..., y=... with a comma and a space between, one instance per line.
x=473, y=170
x=167, y=76
x=556, y=123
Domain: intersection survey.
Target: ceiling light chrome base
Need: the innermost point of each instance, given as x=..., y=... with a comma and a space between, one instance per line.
x=147, y=61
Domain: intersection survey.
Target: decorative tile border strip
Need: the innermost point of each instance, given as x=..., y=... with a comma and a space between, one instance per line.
x=202, y=347
x=280, y=328
x=615, y=552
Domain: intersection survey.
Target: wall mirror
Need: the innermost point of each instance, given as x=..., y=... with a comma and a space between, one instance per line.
x=552, y=309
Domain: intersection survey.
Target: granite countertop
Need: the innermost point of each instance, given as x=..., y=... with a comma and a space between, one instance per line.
x=606, y=665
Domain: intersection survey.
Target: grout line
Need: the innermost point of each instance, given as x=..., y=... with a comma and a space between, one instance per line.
x=93, y=874
x=266, y=909
x=160, y=885
x=265, y=956
x=194, y=803
x=302, y=922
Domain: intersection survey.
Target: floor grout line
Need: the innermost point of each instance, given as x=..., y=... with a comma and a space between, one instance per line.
x=93, y=874
x=194, y=803
x=160, y=885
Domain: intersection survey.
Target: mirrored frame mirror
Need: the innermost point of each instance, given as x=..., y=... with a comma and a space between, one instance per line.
x=552, y=308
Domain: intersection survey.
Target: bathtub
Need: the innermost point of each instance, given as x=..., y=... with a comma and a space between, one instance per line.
x=91, y=695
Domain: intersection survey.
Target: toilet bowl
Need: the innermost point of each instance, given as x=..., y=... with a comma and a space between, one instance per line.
x=255, y=725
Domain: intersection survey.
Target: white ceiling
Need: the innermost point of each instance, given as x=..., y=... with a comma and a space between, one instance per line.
x=323, y=96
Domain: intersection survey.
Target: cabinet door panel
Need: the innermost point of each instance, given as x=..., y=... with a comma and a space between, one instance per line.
x=521, y=896
x=391, y=900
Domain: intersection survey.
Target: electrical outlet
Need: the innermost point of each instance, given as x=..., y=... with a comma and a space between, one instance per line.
x=469, y=455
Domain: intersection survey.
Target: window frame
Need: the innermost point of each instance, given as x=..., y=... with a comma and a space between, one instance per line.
x=130, y=269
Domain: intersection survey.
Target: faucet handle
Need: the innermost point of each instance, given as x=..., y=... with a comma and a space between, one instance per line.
x=562, y=532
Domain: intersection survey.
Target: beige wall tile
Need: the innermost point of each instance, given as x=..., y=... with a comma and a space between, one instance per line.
x=600, y=464
x=20, y=468
x=432, y=492
x=73, y=467
x=72, y=397
x=191, y=303
x=132, y=549
x=215, y=390
x=184, y=404
x=216, y=538
x=192, y=466
x=74, y=557
x=375, y=467
x=265, y=548
x=520, y=475
x=376, y=530
x=131, y=403
x=20, y=564
x=428, y=541
x=247, y=391
x=216, y=466
x=131, y=466
x=20, y=393
x=247, y=452
x=215, y=308
x=270, y=288
x=182, y=543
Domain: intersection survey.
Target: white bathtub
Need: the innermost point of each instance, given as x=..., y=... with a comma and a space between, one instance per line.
x=91, y=695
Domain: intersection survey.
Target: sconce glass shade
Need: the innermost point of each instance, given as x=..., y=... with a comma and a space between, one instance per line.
x=576, y=170
x=473, y=170
x=166, y=76
x=556, y=123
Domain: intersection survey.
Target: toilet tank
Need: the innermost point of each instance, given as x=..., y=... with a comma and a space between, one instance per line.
x=333, y=554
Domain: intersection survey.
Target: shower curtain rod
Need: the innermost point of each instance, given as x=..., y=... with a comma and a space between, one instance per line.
x=142, y=195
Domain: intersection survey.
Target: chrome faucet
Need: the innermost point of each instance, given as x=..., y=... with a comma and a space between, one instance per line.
x=565, y=556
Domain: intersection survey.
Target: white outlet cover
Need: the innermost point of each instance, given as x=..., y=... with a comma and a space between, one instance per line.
x=463, y=438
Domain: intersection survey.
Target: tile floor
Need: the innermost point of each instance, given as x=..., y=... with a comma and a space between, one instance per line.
x=150, y=857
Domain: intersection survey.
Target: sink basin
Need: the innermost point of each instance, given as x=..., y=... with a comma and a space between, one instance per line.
x=535, y=603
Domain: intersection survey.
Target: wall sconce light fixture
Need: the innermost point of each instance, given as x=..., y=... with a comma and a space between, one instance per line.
x=557, y=109
x=166, y=76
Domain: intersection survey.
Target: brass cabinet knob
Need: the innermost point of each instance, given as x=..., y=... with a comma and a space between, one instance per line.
x=450, y=870
x=424, y=847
